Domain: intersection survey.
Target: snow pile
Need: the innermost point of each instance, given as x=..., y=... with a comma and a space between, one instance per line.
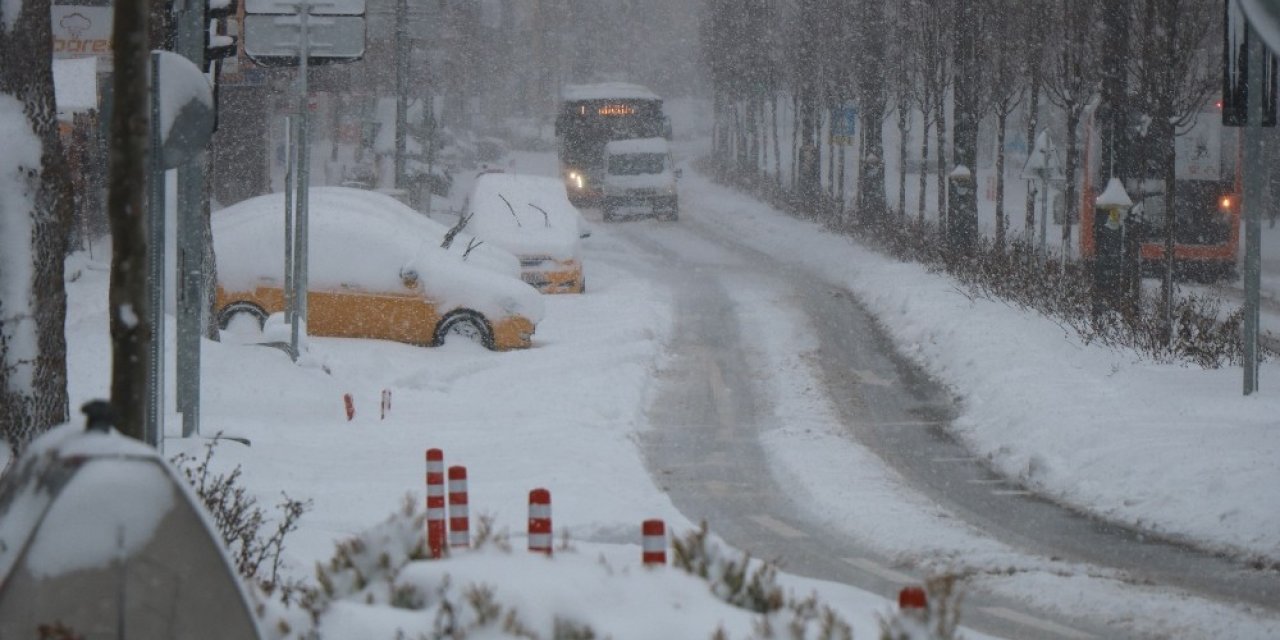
x=22, y=154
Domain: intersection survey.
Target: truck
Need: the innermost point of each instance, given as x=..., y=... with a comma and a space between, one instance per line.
x=592, y=115
x=640, y=176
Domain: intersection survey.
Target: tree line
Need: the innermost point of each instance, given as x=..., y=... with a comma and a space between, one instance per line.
x=935, y=71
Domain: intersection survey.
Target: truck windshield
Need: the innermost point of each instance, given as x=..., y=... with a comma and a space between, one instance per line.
x=635, y=164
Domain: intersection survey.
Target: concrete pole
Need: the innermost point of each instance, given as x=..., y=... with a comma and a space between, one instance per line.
x=1254, y=154
x=153, y=430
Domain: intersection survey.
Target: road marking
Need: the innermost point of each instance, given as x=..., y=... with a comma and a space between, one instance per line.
x=878, y=569
x=869, y=377
x=956, y=459
x=777, y=526
x=908, y=423
x=1035, y=623
x=1010, y=492
x=719, y=488
x=986, y=481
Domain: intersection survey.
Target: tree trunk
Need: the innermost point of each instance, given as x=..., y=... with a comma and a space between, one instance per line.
x=1002, y=119
x=777, y=151
x=940, y=131
x=131, y=331
x=924, y=166
x=1073, y=162
x=1033, y=107
x=904, y=127
x=962, y=210
x=33, y=304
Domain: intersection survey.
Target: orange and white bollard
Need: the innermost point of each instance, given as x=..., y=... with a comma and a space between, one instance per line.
x=350, y=405
x=654, y=544
x=435, y=503
x=459, y=517
x=540, y=521
x=386, y=403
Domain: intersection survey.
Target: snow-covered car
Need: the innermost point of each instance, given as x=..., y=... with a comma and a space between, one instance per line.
x=639, y=174
x=531, y=217
x=376, y=270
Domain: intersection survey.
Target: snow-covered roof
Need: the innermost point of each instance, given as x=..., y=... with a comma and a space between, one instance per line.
x=1114, y=195
x=540, y=220
x=607, y=91
x=75, y=85
x=638, y=145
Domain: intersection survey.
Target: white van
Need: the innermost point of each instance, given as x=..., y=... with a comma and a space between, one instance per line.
x=640, y=177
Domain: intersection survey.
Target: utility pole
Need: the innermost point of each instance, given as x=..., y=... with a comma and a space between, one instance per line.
x=126, y=209
x=402, y=88
x=193, y=209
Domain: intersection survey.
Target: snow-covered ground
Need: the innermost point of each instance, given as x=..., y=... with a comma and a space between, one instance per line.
x=1172, y=449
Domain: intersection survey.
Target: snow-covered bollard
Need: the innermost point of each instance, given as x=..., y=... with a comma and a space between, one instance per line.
x=459, y=516
x=654, y=542
x=540, y=521
x=350, y=404
x=435, y=503
x=913, y=599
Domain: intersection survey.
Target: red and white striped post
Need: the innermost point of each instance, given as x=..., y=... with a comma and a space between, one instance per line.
x=459, y=517
x=540, y=521
x=654, y=543
x=386, y=403
x=350, y=405
x=435, y=503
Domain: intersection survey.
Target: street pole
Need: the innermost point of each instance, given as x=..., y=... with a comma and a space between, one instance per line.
x=1254, y=153
x=304, y=180
x=153, y=429
x=290, y=162
x=402, y=82
x=192, y=207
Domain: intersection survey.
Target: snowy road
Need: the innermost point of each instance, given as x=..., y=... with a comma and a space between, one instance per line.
x=711, y=423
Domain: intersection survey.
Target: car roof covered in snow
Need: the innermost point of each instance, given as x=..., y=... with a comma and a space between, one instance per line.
x=638, y=145
x=539, y=219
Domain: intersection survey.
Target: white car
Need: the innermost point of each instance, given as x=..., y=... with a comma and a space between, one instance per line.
x=640, y=174
x=376, y=270
x=531, y=217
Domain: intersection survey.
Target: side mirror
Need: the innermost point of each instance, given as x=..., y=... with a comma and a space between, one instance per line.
x=409, y=277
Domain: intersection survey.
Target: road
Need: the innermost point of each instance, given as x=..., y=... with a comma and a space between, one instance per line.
x=708, y=419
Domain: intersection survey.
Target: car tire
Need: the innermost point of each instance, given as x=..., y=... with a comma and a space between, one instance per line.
x=466, y=324
x=229, y=313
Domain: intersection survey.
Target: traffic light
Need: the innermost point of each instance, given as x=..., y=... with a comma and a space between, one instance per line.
x=218, y=44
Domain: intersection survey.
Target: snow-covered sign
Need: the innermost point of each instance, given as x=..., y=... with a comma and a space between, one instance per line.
x=1043, y=162
x=1264, y=17
x=273, y=40
x=1198, y=152
x=186, y=109
x=316, y=7
x=80, y=31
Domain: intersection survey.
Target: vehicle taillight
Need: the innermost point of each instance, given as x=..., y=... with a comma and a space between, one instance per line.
x=1224, y=204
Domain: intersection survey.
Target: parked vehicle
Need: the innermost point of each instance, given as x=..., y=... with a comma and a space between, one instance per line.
x=640, y=175
x=531, y=217
x=376, y=270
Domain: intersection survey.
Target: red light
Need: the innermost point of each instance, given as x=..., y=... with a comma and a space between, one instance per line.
x=1218, y=104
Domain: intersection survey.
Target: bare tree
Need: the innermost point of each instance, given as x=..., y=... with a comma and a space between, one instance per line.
x=1008, y=47
x=1177, y=69
x=1072, y=82
x=932, y=69
x=34, y=216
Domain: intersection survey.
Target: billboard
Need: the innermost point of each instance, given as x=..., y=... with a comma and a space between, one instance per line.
x=81, y=30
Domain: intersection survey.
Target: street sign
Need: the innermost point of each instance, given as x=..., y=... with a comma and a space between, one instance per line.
x=273, y=40
x=844, y=124
x=185, y=103
x=317, y=7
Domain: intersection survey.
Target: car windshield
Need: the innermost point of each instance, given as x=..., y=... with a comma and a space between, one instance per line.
x=636, y=164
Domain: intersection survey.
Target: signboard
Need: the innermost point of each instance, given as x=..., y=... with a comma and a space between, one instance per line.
x=272, y=40
x=1198, y=152
x=317, y=7
x=80, y=31
x=844, y=124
